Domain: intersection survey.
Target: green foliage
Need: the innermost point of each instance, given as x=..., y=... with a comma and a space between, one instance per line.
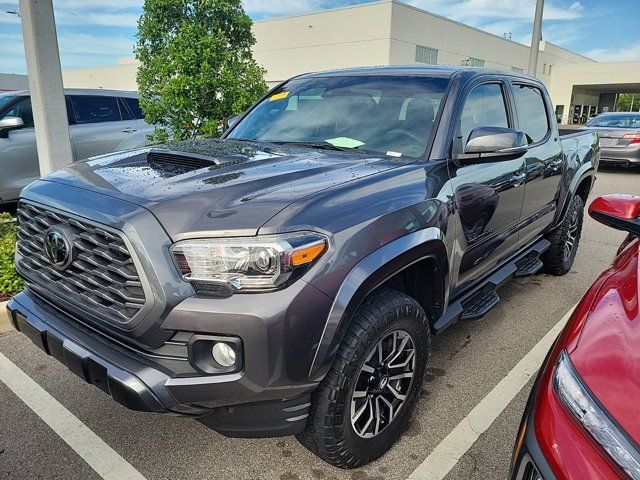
x=10, y=282
x=625, y=102
x=197, y=67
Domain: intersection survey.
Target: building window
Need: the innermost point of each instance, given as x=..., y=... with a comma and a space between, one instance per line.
x=426, y=55
x=516, y=69
x=476, y=62
x=550, y=69
x=544, y=68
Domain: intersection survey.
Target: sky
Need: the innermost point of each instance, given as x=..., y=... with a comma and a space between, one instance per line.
x=97, y=32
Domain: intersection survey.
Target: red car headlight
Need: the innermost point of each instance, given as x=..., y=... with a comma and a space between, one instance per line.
x=579, y=401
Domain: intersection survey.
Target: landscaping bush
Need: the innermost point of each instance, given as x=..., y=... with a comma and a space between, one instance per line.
x=10, y=282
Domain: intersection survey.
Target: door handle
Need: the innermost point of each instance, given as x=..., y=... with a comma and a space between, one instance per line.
x=518, y=179
x=129, y=130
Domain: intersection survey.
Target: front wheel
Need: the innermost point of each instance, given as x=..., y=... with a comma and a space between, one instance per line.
x=364, y=403
x=558, y=259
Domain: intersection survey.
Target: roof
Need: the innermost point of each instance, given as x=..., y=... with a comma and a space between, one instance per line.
x=427, y=70
x=89, y=91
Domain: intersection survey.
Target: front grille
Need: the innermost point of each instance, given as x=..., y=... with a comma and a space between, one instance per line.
x=102, y=280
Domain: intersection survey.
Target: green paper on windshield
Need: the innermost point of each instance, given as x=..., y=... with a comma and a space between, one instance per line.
x=344, y=142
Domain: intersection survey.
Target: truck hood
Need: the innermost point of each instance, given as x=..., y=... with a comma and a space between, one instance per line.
x=218, y=187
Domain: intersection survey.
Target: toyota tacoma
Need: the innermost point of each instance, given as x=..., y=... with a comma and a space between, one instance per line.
x=288, y=278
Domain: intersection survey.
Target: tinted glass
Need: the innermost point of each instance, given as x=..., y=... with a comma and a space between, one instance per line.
x=619, y=121
x=95, y=109
x=385, y=114
x=21, y=109
x=484, y=107
x=6, y=99
x=134, y=107
x=532, y=114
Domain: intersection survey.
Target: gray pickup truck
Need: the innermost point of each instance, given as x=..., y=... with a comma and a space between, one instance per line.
x=289, y=278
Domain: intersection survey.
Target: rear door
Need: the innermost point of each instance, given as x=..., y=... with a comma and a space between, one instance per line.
x=99, y=125
x=488, y=194
x=544, y=159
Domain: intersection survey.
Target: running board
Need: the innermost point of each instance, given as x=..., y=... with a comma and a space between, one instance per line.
x=484, y=297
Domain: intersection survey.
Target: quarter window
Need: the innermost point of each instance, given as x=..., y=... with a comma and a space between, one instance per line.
x=532, y=114
x=95, y=109
x=134, y=107
x=484, y=107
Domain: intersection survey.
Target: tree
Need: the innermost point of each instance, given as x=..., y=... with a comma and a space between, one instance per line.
x=628, y=102
x=197, y=67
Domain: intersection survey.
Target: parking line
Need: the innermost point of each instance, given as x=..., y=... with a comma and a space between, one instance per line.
x=101, y=457
x=451, y=449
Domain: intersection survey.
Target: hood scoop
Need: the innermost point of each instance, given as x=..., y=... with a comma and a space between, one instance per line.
x=164, y=159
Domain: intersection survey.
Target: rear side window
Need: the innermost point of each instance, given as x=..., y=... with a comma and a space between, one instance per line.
x=532, y=114
x=134, y=107
x=484, y=107
x=95, y=109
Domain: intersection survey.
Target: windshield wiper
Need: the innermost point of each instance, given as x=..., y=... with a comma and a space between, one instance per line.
x=321, y=145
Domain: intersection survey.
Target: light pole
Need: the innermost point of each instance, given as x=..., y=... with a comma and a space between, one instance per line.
x=535, y=38
x=45, y=84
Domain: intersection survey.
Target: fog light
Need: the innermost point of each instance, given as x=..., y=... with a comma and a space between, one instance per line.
x=224, y=354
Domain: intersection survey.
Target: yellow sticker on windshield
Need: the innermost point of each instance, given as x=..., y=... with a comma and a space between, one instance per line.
x=278, y=96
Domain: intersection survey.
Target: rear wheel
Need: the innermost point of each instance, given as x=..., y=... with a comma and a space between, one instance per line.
x=364, y=403
x=558, y=259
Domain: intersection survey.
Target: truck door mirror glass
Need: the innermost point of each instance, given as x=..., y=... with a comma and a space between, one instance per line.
x=493, y=143
x=621, y=212
x=10, y=123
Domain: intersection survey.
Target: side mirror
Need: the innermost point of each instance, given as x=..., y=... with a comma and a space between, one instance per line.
x=231, y=121
x=10, y=123
x=493, y=143
x=621, y=212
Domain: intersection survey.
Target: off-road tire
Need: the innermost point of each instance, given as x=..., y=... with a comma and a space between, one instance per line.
x=555, y=259
x=329, y=432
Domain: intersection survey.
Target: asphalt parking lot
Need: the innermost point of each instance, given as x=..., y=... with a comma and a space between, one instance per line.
x=468, y=361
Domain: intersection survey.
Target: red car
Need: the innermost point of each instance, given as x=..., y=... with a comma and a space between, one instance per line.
x=582, y=420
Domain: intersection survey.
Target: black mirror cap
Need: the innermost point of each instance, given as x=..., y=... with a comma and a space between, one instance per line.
x=494, y=140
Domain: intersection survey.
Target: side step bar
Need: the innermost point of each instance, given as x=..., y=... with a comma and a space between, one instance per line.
x=484, y=297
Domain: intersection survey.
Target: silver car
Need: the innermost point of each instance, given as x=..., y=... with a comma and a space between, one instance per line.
x=100, y=121
x=619, y=134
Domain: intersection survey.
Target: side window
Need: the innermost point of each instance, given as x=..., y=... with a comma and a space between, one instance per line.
x=484, y=107
x=124, y=110
x=95, y=109
x=23, y=110
x=532, y=114
x=134, y=107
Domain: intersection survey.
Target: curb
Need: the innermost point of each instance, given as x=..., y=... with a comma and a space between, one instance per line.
x=5, y=323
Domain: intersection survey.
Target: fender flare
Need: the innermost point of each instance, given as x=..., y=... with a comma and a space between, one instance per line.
x=584, y=172
x=368, y=274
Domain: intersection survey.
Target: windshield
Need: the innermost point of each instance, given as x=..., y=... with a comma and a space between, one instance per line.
x=392, y=115
x=621, y=121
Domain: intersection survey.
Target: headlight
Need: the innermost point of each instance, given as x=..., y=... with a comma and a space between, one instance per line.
x=575, y=396
x=228, y=265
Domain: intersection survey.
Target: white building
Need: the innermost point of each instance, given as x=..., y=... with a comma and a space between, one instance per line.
x=391, y=33
x=11, y=81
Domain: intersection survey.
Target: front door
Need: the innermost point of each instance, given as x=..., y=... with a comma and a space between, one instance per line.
x=488, y=195
x=18, y=154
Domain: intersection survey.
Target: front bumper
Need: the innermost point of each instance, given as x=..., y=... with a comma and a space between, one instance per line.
x=245, y=403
